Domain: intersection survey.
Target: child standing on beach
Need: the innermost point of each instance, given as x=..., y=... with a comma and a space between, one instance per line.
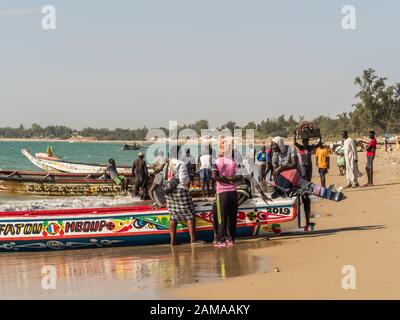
x=371, y=151
x=323, y=163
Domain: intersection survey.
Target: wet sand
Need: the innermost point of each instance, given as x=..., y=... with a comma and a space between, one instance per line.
x=362, y=231
x=125, y=273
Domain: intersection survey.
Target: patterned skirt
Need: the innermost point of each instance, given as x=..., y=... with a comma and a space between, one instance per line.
x=180, y=205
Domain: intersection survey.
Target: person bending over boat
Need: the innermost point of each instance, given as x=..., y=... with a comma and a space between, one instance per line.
x=225, y=208
x=159, y=161
x=140, y=176
x=179, y=202
x=112, y=172
x=285, y=158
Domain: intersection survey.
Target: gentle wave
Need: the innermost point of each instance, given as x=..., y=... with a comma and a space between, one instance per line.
x=64, y=203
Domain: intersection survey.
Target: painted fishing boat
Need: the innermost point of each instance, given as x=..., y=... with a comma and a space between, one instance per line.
x=58, y=184
x=56, y=165
x=129, y=226
x=67, y=184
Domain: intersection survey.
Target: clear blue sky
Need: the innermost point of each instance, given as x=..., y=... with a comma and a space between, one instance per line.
x=134, y=63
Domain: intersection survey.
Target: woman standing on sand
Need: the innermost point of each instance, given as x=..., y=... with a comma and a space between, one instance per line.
x=226, y=202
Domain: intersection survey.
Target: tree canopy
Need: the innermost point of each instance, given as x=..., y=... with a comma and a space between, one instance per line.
x=377, y=107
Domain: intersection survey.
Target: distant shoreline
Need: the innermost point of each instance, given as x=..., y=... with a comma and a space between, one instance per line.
x=68, y=140
x=257, y=142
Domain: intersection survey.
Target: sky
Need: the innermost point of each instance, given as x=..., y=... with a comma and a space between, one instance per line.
x=131, y=63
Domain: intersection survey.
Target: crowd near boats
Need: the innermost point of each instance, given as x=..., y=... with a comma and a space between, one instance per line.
x=217, y=198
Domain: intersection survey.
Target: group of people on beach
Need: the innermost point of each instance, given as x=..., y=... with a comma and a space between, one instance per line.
x=227, y=172
x=175, y=179
x=223, y=173
x=347, y=159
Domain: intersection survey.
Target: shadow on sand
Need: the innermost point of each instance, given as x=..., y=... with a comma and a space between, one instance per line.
x=375, y=187
x=326, y=232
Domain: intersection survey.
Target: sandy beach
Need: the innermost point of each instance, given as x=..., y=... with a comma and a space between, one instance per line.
x=362, y=231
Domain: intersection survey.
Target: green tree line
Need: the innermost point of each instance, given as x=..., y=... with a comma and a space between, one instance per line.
x=377, y=107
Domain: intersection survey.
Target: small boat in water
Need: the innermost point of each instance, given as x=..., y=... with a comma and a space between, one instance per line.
x=127, y=147
x=55, y=164
x=49, y=230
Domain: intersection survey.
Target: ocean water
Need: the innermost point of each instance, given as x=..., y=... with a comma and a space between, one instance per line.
x=98, y=153
x=11, y=158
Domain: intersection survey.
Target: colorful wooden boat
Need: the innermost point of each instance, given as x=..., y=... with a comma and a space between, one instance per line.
x=57, y=184
x=128, y=226
x=56, y=165
x=65, y=184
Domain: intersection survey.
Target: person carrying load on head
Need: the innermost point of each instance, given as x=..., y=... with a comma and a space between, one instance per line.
x=305, y=151
x=285, y=158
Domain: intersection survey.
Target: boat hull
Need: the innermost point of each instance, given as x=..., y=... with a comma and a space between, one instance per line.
x=129, y=226
x=56, y=166
x=63, y=184
x=107, y=188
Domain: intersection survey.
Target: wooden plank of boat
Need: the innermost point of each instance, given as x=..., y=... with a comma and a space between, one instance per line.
x=66, y=188
x=57, y=184
x=127, y=226
x=65, y=184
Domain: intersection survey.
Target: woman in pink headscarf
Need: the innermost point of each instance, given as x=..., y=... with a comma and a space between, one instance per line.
x=226, y=203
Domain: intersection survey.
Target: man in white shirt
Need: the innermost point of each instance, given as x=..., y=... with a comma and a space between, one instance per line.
x=351, y=158
x=190, y=163
x=205, y=172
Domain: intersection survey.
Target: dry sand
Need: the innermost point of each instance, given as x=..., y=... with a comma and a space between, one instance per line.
x=362, y=231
